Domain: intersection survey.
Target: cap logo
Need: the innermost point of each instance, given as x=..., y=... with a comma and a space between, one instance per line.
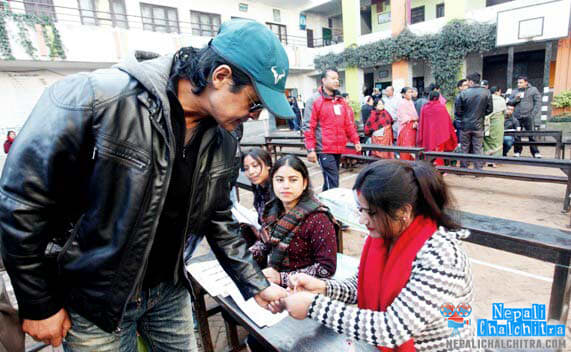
x=277, y=77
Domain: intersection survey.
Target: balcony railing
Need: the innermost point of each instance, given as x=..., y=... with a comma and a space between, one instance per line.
x=89, y=17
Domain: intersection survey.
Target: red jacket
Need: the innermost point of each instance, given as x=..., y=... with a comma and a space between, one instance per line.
x=331, y=125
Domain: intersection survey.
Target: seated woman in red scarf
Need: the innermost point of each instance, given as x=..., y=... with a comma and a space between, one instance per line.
x=299, y=233
x=435, y=129
x=412, y=264
x=408, y=122
x=379, y=128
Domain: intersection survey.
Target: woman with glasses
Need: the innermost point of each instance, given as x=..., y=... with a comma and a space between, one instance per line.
x=413, y=271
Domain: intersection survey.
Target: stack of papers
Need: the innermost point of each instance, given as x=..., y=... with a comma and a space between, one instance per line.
x=341, y=202
x=245, y=215
x=216, y=282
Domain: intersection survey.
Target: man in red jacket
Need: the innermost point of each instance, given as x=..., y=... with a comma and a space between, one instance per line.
x=329, y=129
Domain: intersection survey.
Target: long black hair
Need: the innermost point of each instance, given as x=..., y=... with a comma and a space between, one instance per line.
x=434, y=95
x=260, y=155
x=295, y=163
x=388, y=185
x=197, y=65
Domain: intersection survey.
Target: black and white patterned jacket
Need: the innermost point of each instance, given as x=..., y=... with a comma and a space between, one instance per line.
x=440, y=274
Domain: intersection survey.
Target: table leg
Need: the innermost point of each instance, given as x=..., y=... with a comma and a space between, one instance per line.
x=558, y=150
x=560, y=292
x=231, y=332
x=567, y=200
x=202, y=318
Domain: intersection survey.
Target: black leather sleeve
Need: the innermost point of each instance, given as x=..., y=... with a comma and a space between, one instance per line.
x=37, y=182
x=224, y=235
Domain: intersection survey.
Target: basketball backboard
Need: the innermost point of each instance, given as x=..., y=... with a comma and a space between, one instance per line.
x=536, y=22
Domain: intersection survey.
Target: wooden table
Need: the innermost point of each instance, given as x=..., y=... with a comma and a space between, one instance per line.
x=289, y=334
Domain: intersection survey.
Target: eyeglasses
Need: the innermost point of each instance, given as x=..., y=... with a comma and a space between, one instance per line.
x=255, y=107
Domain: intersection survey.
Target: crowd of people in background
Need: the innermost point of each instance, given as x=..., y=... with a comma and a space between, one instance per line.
x=473, y=123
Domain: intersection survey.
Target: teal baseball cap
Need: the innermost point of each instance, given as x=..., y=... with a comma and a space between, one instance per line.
x=254, y=49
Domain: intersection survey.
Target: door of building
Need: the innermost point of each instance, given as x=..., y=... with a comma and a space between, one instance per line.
x=309, y=38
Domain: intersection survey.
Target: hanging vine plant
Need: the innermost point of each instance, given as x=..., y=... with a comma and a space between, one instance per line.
x=23, y=22
x=444, y=51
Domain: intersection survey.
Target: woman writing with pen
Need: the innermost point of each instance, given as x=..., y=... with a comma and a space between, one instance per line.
x=412, y=266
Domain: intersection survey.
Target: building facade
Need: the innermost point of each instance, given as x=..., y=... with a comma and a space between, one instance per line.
x=100, y=33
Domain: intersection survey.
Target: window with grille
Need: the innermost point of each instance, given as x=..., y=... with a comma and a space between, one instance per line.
x=160, y=18
x=93, y=12
x=280, y=30
x=417, y=15
x=40, y=8
x=204, y=24
x=496, y=2
x=440, y=10
x=87, y=11
x=384, y=6
x=118, y=13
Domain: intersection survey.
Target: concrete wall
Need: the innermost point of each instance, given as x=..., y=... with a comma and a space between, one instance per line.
x=20, y=92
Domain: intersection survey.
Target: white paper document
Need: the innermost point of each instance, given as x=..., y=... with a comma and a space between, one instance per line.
x=216, y=282
x=342, y=204
x=245, y=215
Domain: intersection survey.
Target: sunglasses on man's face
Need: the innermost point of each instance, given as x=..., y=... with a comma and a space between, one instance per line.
x=255, y=107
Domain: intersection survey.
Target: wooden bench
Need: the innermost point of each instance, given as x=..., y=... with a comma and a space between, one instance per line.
x=259, y=144
x=563, y=165
x=544, y=243
x=556, y=135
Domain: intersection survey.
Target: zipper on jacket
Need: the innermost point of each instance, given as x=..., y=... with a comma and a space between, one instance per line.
x=111, y=153
x=165, y=189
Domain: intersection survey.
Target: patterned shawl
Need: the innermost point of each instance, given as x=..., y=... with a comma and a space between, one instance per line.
x=280, y=230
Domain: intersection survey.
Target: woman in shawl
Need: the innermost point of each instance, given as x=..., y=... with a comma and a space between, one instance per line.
x=299, y=233
x=435, y=129
x=379, y=128
x=494, y=125
x=408, y=121
x=413, y=270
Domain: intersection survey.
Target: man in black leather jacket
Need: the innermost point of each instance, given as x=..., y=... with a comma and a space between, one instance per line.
x=137, y=157
x=470, y=108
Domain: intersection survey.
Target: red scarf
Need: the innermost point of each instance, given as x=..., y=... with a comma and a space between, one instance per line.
x=391, y=269
x=435, y=129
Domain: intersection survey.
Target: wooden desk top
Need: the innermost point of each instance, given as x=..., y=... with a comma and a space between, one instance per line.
x=297, y=335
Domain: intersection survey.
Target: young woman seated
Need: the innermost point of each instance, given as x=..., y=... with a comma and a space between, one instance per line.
x=412, y=266
x=257, y=164
x=299, y=233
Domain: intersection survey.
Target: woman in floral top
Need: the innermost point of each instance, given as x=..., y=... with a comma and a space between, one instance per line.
x=299, y=234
